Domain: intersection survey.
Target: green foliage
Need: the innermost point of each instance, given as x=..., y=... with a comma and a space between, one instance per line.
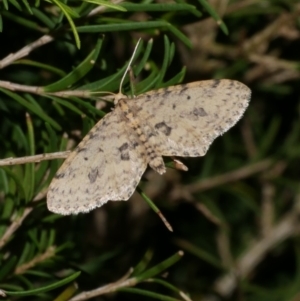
x=234, y=213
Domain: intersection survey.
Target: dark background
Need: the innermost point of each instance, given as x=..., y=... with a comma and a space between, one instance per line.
x=235, y=213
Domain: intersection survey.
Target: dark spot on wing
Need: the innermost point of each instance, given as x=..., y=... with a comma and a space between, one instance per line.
x=174, y=106
x=188, y=97
x=229, y=121
x=135, y=144
x=164, y=128
x=124, y=152
x=183, y=89
x=123, y=147
x=151, y=153
x=93, y=135
x=219, y=130
x=80, y=149
x=93, y=174
x=151, y=134
x=166, y=93
x=60, y=175
x=215, y=83
x=199, y=112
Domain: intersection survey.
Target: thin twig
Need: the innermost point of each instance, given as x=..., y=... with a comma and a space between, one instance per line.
x=229, y=177
x=40, y=90
x=109, y=288
x=267, y=215
x=272, y=63
x=50, y=252
x=284, y=229
x=19, y=220
x=25, y=50
x=41, y=195
x=208, y=214
x=45, y=39
x=248, y=138
x=35, y=158
x=13, y=227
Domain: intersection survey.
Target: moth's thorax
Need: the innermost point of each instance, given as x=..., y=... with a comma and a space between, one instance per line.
x=123, y=105
x=130, y=113
x=119, y=97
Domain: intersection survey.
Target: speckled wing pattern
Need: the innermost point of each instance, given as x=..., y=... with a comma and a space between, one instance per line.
x=106, y=165
x=187, y=118
x=181, y=120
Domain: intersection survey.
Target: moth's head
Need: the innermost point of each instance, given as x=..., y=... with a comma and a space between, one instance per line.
x=118, y=97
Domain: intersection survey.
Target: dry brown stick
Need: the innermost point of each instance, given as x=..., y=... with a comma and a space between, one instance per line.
x=287, y=227
x=40, y=90
x=25, y=50
x=224, y=247
x=35, y=158
x=65, y=93
x=273, y=63
x=112, y=287
x=239, y=5
x=13, y=227
x=267, y=216
x=109, y=288
x=45, y=39
x=248, y=138
x=229, y=177
x=259, y=42
x=50, y=252
x=18, y=221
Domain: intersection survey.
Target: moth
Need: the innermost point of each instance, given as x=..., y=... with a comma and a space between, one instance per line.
x=109, y=162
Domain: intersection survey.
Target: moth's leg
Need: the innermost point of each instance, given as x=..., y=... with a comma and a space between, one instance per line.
x=179, y=165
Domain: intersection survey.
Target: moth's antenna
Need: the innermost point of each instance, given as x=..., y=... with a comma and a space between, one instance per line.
x=129, y=65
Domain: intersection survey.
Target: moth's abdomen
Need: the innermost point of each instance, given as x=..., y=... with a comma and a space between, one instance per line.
x=145, y=135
